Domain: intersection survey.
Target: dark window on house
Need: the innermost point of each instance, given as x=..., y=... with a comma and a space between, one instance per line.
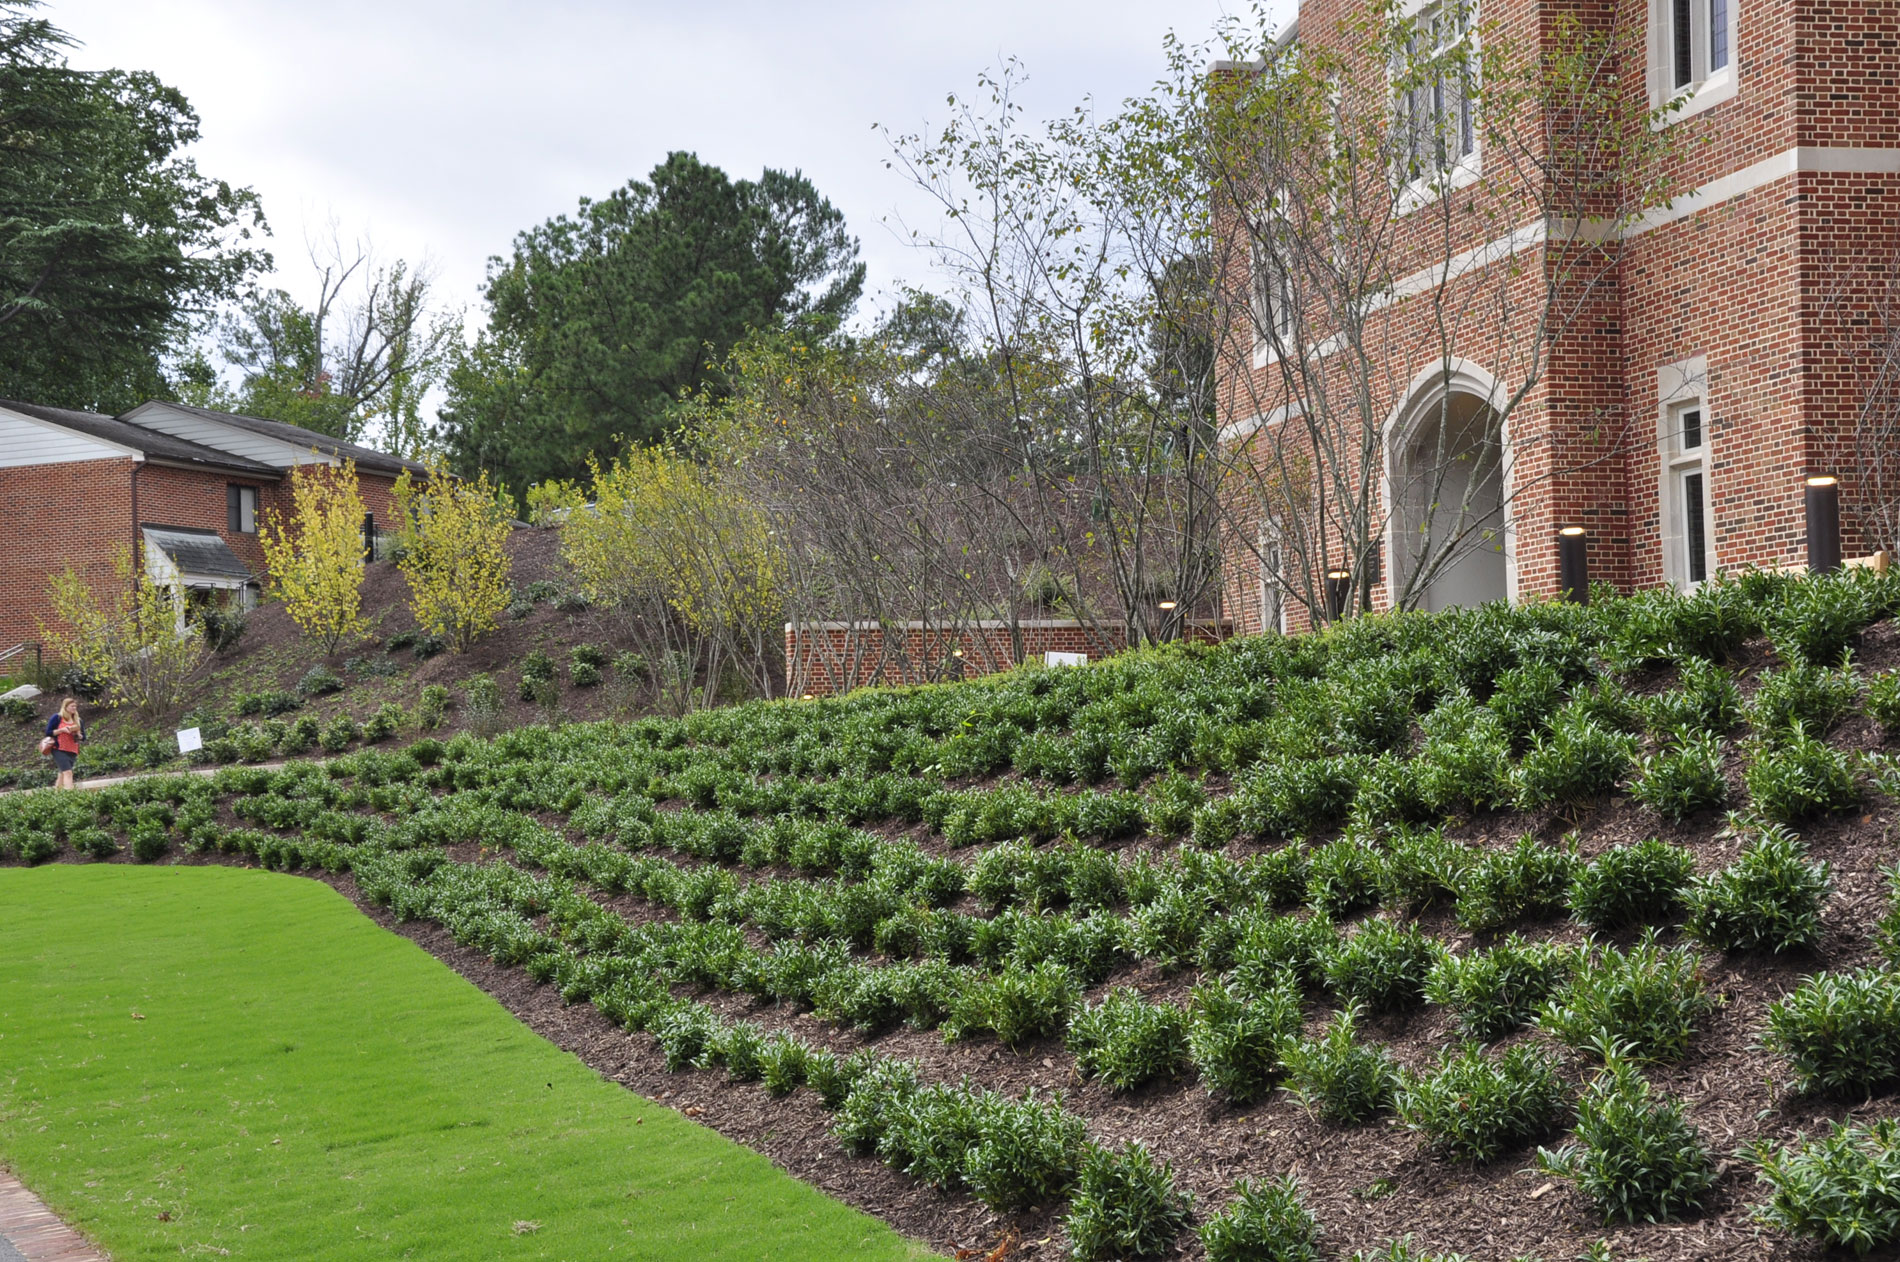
x=1695, y=527
x=240, y=509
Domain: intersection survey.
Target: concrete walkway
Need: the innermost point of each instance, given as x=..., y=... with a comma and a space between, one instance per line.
x=29, y=1232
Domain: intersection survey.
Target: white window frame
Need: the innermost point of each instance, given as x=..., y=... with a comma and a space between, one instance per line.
x=1424, y=178
x=1272, y=580
x=1272, y=304
x=1685, y=452
x=1714, y=30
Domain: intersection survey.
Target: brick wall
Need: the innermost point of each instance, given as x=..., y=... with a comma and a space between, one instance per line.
x=1774, y=287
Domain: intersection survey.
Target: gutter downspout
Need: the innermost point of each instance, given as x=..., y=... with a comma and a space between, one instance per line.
x=138, y=550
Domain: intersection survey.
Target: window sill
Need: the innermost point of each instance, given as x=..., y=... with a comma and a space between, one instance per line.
x=1703, y=96
x=1432, y=188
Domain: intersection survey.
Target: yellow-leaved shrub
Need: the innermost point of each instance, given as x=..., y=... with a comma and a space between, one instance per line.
x=454, y=552
x=315, y=554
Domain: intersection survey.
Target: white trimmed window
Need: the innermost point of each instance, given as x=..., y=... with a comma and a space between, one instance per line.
x=1272, y=581
x=1687, y=517
x=1271, y=276
x=1692, y=53
x=1434, y=123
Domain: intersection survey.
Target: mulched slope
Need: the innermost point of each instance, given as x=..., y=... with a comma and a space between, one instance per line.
x=1366, y=1185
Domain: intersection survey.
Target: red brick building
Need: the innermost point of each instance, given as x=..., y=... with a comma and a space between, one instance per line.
x=1711, y=367
x=184, y=487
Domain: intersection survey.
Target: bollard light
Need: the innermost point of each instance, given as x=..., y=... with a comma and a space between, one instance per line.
x=1573, y=566
x=1824, y=524
x=1338, y=590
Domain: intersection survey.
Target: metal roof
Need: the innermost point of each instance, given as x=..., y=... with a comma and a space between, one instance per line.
x=137, y=437
x=296, y=435
x=196, y=553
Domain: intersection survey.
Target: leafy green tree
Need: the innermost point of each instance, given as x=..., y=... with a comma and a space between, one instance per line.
x=602, y=322
x=110, y=239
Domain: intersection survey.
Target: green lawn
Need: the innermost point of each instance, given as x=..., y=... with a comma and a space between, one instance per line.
x=214, y=1062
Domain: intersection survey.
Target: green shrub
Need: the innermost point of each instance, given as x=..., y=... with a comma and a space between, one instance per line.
x=832, y=1076
x=1017, y=1005
x=1342, y=877
x=1809, y=696
x=1125, y=1205
x=536, y=668
x=1635, y=1156
x=1819, y=618
x=781, y=1065
x=1495, y=991
x=319, y=681
x=1266, y=1221
x=1422, y=866
x=385, y=723
x=541, y=590
x=1270, y=948
x=267, y=704
x=94, y=843
x=583, y=674
x=303, y=733
x=1632, y=885
x=1027, y=1153
x=1168, y=929
x=221, y=628
x=1336, y=1077
x=1172, y=802
x=1528, y=881
x=740, y=1047
x=1683, y=780
x=872, y=1103
x=685, y=1034
x=1235, y=1041
x=1800, y=777
x=1767, y=900
x=1126, y=1041
x=1842, y=1189
x=149, y=843
x=481, y=704
x=1382, y=966
x=338, y=733
x=1705, y=702
x=1526, y=698
x=1646, y=1000
x=1475, y=1108
x=1576, y=762
x=572, y=601
x=1840, y=1032
x=1465, y=761
x=1883, y=702
x=432, y=707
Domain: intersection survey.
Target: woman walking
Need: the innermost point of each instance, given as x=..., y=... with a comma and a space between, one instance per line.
x=66, y=737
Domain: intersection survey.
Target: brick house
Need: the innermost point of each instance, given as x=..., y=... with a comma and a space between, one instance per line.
x=183, y=486
x=1714, y=371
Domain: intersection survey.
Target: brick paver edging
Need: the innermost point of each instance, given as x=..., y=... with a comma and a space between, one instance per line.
x=34, y=1232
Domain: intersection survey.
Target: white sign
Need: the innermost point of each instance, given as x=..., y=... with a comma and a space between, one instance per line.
x=1053, y=658
x=190, y=739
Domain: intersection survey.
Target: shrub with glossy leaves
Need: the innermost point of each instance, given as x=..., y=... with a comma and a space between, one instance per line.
x=1017, y=1005
x=1635, y=1156
x=1767, y=900
x=1127, y=1041
x=1705, y=701
x=1812, y=697
x=1475, y=1107
x=1883, y=702
x=1027, y=1153
x=1342, y=877
x=1236, y=1041
x=1528, y=881
x=1800, y=777
x=1840, y=1032
x=1339, y=1078
x=1842, y=1189
x=1125, y=1205
x=1685, y=779
x=1495, y=991
x=1266, y=1219
x=1646, y=1000
x=1630, y=885
x=1269, y=948
x=1382, y=966
x=1578, y=761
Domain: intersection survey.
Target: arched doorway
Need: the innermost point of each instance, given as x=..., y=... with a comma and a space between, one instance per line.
x=1447, y=458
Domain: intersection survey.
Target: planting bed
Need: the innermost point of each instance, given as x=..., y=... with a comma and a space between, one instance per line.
x=1508, y=929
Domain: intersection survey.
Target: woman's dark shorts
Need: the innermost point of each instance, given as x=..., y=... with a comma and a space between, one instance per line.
x=64, y=761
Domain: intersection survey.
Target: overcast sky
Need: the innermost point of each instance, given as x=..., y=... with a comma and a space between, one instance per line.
x=443, y=127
